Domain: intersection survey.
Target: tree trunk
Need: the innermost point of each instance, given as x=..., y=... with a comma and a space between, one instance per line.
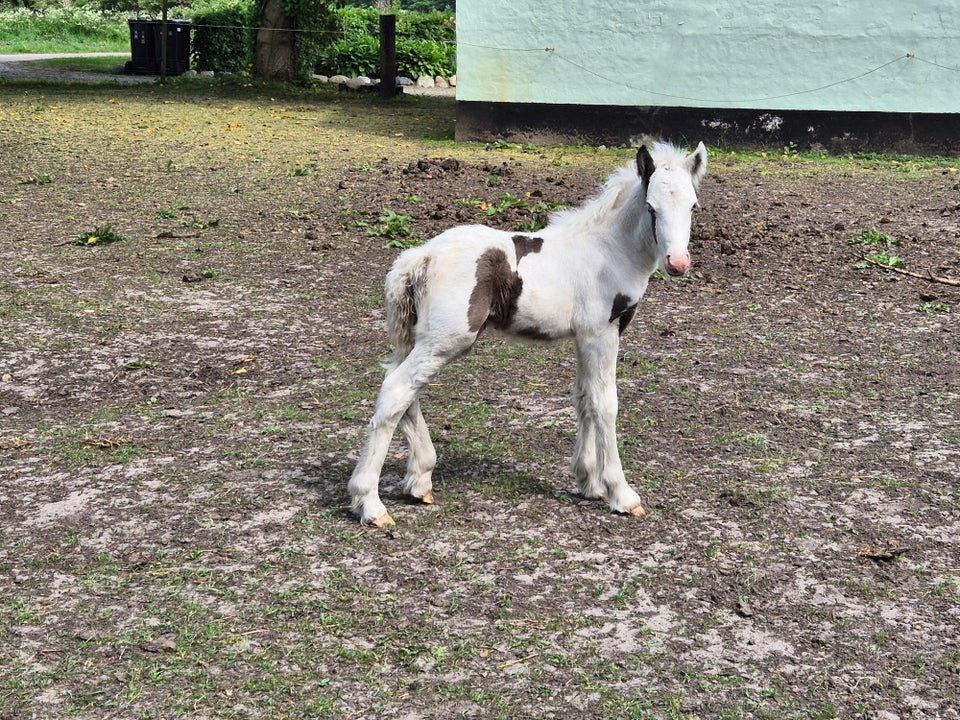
x=385, y=7
x=274, y=51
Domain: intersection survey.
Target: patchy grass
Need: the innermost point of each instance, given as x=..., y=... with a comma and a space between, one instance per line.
x=182, y=411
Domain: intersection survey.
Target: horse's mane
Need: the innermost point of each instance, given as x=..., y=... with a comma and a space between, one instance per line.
x=599, y=209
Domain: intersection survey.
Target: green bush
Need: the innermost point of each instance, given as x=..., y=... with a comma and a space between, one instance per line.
x=62, y=29
x=426, y=44
x=437, y=26
x=221, y=40
x=353, y=22
x=361, y=56
x=425, y=57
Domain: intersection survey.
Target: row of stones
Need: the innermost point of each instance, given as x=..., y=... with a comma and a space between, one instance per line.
x=423, y=81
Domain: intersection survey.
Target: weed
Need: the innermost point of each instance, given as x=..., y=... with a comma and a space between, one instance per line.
x=509, y=202
x=539, y=215
x=200, y=224
x=103, y=235
x=38, y=180
x=882, y=258
x=935, y=307
x=395, y=226
x=873, y=238
x=140, y=365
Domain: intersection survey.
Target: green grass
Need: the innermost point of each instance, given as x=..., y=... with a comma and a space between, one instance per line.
x=61, y=30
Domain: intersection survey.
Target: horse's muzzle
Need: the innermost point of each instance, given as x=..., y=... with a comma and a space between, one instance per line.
x=677, y=265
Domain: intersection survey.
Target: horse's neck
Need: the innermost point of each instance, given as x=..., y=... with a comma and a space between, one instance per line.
x=631, y=233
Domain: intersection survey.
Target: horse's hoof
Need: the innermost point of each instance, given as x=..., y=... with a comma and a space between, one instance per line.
x=383, y=521
x=636, y=510
x=428, y=499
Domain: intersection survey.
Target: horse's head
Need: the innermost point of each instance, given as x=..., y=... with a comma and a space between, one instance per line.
x=671, y=182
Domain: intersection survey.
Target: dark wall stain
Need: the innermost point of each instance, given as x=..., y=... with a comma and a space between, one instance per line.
x=838, y=132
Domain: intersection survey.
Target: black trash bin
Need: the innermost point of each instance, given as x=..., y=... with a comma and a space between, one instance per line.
x=146, y=48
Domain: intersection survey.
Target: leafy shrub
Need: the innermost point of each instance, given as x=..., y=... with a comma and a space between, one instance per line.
x=426, y=44
x=361, y=56
x=351, y=57
x=61, y=28
x=425, y=57
x=437, y=26
x=352, y=22
x=221, y=40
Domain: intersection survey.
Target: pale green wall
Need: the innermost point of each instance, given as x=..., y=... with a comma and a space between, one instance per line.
x=786, y=55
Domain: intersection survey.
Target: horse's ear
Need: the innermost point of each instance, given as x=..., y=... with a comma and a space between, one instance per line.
x=697, y=164
x=645, y=164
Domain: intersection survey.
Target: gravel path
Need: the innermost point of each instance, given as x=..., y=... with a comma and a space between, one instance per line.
x=25, y=66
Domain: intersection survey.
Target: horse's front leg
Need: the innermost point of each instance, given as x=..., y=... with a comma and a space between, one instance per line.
x=596, y=461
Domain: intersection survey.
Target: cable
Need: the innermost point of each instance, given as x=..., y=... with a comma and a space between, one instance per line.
x=740, y=101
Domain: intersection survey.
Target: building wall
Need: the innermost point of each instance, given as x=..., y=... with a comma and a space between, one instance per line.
x=886, y=56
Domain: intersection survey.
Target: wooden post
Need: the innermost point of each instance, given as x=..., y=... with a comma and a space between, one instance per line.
x=163, y=42
x=388, y=56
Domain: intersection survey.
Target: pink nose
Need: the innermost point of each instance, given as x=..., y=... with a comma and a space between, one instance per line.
x=677, y=264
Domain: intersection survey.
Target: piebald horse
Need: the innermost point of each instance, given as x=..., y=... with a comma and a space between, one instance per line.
x=580, y=277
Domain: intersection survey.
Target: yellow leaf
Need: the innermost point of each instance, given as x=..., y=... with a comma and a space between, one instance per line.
x=240, y=371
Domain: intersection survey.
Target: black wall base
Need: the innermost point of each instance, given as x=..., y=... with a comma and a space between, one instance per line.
x=835, y=132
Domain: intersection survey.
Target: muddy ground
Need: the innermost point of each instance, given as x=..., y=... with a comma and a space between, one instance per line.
x=180, y=410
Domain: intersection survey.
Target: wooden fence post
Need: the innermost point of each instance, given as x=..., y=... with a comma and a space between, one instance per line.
x=163, y=42
x=388, y=56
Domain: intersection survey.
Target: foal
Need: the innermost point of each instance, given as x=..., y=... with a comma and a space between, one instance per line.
x=579, y=277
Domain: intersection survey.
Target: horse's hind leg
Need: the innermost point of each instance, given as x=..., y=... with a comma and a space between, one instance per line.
x=423, y=458
x=398, y=393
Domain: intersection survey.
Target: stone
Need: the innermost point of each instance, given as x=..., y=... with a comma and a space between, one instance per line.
x=440, y=82
x=453, y=81
x=357, y=82
x=338, y=79
x=425, y=82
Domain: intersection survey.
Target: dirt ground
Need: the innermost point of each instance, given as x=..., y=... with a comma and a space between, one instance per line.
x=181, y=409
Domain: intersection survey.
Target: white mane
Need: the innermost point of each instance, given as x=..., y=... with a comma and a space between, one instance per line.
x=599, y=209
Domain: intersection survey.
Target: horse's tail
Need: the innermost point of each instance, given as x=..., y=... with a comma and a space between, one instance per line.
x=403, y=291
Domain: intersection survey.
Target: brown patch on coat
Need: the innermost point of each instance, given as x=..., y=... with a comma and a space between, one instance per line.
x=623, y=311
x=494, y=297
x=526, y=245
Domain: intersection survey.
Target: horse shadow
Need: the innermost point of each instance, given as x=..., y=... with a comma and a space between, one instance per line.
x=456, y=478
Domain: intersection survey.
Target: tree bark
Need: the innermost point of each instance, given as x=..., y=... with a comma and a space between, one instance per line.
x=274, y=58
